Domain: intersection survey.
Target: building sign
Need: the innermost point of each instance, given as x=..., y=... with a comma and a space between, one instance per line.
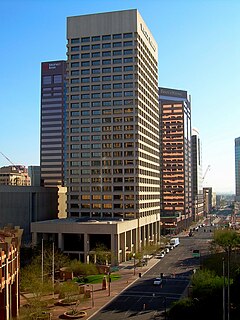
x=147, y=36
x=172, y=93
x=51, y=66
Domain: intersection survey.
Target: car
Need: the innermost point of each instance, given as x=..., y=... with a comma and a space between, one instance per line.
x=167, y=250
x=160, y=255
x=157, y=281
x=169, y=247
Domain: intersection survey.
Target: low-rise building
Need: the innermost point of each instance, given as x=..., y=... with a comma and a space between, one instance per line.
x=10, y=240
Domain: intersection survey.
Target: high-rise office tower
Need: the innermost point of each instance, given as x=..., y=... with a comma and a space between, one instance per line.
x=113, y=117
x=237, y=168
x=197, y=178
x=53, y=112
x=175, y=136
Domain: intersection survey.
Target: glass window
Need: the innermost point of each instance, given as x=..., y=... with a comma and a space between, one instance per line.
x=106, y=111
x=117, y=69
x=85, y=96
x=127, y=43
x=117, y=110
x=74, y=64
x=106, y=103
x=106, y=37
x=85, y=104
x=85, y=63
x=85, y=121
x=106, y=53
x=96, y=104
x=96, y=87
x=95, y=54
x=76, y=48
x=117, y=94
x=74, y=56
x=106, y=45
x=96, y=138
x=106, y=61
x=95, y=46
x=47, y=79
x=117, y=86
x=85, y=138
x=128, y=85
x=127, y=51
x=95, y=79
x=84, y=80
x=85, y=146
x=128, y=76
x=75, y=40
x=85, y=129
x=118, y=77
x=96, y=112
x=97, y=70
x=96, y=120
x=117, y=102
x=74, y=105
x=85, y=155
x=128, y=93
x=85, y=113
x=75, y=80
x=96, y=129
x=85, y=55
x=106, y=78
x=117, y=36
x=85, y=47
x=106, y=70
x=128, y=60
x=75, y=73
x=127, y=35
x=117, y=52
x=128, y=68
x=74, y=89
x=96, y=63
x=106, y=86
x=96, y=38
x=85, y=88
x=118, y=60
x=106, y=95
x=95, y=95
x=117, y=44
x=128, y=102
x=85, y=71
x=75, y=97
x=85, y=39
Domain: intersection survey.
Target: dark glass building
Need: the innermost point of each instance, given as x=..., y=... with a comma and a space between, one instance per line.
x=53, y=111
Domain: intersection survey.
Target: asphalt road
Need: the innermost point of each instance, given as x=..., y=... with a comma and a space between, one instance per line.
x=143, y=300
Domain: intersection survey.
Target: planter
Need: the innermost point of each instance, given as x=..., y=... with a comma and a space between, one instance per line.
x=41, y=316
x=66, y=302
x=77, y=315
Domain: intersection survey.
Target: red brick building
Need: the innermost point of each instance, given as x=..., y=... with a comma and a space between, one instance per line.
x=10, y=240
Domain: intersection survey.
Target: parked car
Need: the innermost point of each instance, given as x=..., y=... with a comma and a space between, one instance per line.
x=157, y=281
x=160, y=255
x=167, y=250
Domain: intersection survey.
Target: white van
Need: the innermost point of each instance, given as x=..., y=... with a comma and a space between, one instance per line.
x=174, y=242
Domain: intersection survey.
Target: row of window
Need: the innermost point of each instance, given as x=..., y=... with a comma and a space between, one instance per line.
x=103, y=46
x=98, y=62
x=118, y=136
x=52, y=79
x=86, y=104
x=104, y=112
x=104, y=163
x=103, y=37
x=103, y=128
x=102, y=146
x=99, y=120
x=101, y=54
x=99, y=155
x=116, y=94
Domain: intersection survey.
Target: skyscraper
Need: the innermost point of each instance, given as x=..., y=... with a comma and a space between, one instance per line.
x=175, y=136
x=53, y=112
x=197, y=178
x=113, y=117
x=237, y=168
x=112, y=138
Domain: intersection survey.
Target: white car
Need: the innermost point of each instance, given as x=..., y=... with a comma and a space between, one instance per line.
x=166, y=250
x=160, y=255
x=157, y=281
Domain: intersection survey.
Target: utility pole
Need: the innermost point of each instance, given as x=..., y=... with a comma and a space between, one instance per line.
x=224, y=311
x=228, y=277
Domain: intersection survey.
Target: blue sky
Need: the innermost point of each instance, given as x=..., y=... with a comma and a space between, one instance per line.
x=199, y=51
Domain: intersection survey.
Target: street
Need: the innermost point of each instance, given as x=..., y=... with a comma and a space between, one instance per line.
x=143, y=300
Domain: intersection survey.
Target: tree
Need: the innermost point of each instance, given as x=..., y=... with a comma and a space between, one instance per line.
x=226, y=239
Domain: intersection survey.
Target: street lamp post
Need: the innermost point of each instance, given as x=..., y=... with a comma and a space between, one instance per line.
x=92, y=295
x=224, y=311
x=109, y=282
x=134, y=265
x=228, y=291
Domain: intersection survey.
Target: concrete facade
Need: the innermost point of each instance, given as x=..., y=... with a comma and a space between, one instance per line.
x=23, y=205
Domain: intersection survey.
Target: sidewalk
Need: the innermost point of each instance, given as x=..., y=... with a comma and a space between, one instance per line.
x=102, y=297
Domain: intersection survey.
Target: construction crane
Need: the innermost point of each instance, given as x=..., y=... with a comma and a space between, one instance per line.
x=8, y=160
x=204, y=176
